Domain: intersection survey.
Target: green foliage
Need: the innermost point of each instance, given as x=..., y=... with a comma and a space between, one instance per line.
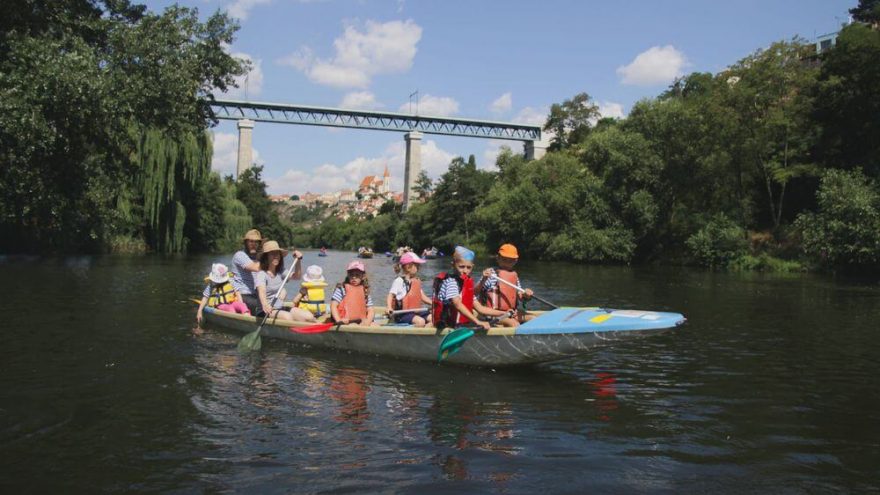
x=848, y=101
x=845, y=230
x=251, y=191
x=718, y=243
x=764, y=263
x=867, y=11
x=553, y=209
x=571, y=121
x=80, y=84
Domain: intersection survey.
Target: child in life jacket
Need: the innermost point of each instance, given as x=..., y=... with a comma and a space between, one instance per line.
x=220, y=294
x=406, y=293
x=311, y=292
x=453, y=299
x=351, y=299
x=500, y=296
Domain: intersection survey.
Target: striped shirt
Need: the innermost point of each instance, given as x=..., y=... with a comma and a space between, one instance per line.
x=448, y=289
x=489, y=283
x=339, y=293
x=243, y=280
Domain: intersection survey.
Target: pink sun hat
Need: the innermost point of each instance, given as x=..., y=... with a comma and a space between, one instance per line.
x=408, y=258
x=356, y=265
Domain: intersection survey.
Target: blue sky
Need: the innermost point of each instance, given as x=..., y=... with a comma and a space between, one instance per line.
x=491, y=60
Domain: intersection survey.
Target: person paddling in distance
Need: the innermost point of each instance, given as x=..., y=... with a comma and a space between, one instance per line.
x=269, y=282
x=351, y=299
x=220, y=294
x=502, y=297
x=311, y=293
x=454, y=293
x=406, y=293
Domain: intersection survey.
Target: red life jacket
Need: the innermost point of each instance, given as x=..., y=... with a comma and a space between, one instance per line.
x=413, y=297
x=354, y=304
x=444, y=312
x=502, y=297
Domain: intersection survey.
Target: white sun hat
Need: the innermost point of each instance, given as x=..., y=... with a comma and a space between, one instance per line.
x=314, y=273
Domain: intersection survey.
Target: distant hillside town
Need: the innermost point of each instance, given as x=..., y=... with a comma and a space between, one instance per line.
x=371, y=194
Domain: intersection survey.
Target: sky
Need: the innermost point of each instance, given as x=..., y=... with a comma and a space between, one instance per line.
x=487, y=60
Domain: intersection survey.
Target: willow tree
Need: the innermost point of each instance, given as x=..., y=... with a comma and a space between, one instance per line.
x=168, y=170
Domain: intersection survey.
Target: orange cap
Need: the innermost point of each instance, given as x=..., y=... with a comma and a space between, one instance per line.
x=508, y=251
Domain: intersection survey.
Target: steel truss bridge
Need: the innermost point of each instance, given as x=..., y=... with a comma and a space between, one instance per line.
x=362, y=119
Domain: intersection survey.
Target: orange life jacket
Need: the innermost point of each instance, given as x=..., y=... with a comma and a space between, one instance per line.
x=503, y=297
x=354, y=303
x=413, y=297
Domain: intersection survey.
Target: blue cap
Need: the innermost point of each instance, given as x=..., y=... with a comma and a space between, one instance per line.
x=464, y=253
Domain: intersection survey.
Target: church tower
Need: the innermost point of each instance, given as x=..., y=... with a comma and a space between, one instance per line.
x=386, y=181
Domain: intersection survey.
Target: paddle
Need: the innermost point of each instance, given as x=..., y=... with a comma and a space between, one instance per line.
x=251, y=342
x=505, y=282
x=414, y=310
x=452, y=342
x=321, y=327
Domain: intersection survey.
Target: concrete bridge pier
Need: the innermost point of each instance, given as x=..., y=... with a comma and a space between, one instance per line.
x=413, y=166
x=535, y=150
x=245, y=146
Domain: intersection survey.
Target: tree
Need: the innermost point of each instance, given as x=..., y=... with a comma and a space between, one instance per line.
x=81, y=82
x=251, y=190
x=423, y=186
x=570, y=121
x=457, y=195
x=771, y=99
x=848, y=101
x=845, y=231
x=867, y=11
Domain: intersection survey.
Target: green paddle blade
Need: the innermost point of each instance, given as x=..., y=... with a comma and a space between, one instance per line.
x=452, y=342
x=251, y=342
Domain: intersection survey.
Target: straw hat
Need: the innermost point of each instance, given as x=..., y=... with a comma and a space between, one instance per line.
x=314, y=273
x=270, y=246
x=253, y=235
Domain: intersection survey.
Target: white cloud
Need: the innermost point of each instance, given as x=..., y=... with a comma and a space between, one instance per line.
x=250, y=84
x=532, y=116
x=434, y=106
x=330, y=177
x=225, y=158
x=382, y=48
x=360, y=100
x=502, y=104
x=657, y=65
x=240, y=9
x=611, y=109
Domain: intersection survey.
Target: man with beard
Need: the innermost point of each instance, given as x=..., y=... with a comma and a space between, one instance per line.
x=246, y=262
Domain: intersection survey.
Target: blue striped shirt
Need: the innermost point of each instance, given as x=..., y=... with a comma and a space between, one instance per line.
x=243, y=280
x=490, y=282
x=339, y=293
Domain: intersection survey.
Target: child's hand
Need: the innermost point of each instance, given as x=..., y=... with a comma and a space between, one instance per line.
x=527, y=294
x=485, y=325
x=199, y=317
x=488, y=272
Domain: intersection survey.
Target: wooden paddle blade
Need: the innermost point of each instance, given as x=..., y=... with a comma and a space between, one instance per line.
x=251, y=342
x=452, y=342
x=323, y=327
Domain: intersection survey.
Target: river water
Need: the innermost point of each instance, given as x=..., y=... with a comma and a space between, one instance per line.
x=771, y=386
